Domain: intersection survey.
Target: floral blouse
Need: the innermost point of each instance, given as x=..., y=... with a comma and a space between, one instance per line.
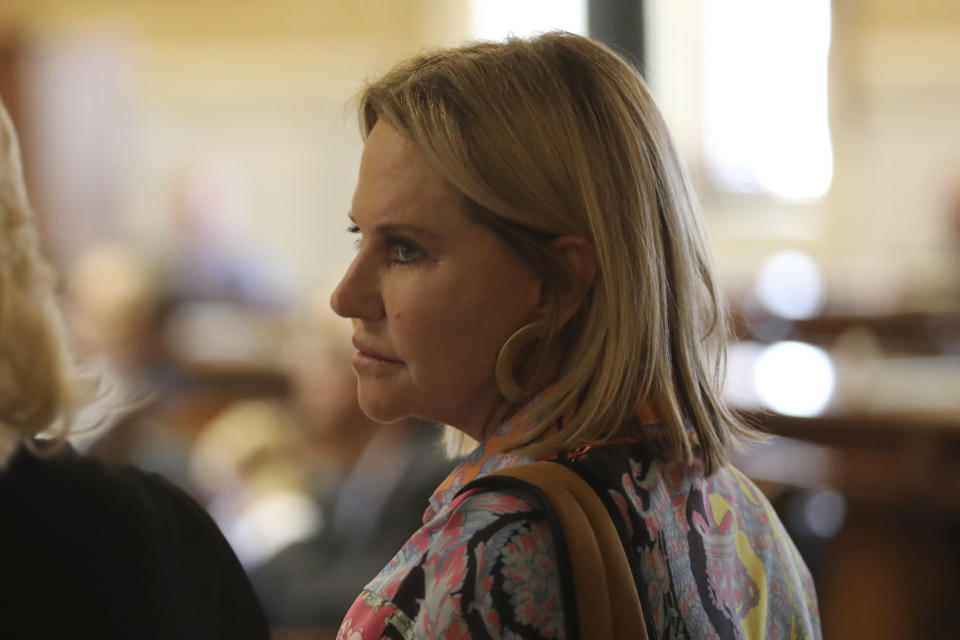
x=714, y=559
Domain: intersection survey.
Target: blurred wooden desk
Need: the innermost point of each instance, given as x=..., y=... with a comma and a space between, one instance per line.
x=893, y=571
x=892, y=461
x=914, y=332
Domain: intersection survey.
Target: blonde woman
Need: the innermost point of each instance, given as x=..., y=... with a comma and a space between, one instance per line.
x=88, y=550
x=531, y=271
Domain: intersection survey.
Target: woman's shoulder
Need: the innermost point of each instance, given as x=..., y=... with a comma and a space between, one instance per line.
x=496, y=517
x=117, y=507
x=511, y=521
x=486, y=569
x=710, y=544
x=116, y=545
x=65, y=485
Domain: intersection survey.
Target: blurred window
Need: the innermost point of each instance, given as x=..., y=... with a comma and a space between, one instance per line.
x=764, y=83
x=756, y=68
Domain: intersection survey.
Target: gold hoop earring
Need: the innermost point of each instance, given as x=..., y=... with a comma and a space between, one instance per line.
x=506, y=382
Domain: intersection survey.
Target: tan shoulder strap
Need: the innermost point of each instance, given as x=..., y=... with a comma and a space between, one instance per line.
x=607, y=602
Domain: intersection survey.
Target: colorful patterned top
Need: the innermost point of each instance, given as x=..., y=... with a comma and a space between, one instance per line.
x=714, y=559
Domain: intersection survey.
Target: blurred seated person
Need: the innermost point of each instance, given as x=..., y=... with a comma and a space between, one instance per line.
x=88, y=549
x=373, y=482
x=116, y=311
x=184, y=361
x=216, y=254
x=248, y=465
x=953, y=213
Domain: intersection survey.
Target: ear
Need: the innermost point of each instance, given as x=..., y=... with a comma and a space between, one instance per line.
x=579, y=257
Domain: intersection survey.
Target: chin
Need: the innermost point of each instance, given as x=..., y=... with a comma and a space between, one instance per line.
x=381, y=408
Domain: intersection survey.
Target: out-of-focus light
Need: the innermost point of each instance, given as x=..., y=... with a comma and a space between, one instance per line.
x=270, y=525
x=824, y=513
x=790, y=285
x=765, y=93
x=496, y=19
x=794, y=378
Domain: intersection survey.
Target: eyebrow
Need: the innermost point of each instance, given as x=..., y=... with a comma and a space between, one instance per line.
x=389, y=228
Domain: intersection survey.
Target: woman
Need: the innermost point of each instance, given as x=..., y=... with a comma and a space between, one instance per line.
x=531, y=271
x=88, y=549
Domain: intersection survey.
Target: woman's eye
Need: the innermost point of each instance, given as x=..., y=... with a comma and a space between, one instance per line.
x=354, y=229
x=403, y=251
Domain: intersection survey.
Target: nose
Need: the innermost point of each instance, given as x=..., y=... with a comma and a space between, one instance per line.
x=358, y=294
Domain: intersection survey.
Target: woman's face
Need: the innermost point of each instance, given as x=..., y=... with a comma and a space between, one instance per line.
x=433, y=295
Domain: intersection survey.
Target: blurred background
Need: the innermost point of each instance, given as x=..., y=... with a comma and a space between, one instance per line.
x=192, y=164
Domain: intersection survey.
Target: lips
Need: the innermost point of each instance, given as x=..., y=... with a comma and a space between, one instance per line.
x=373, y=353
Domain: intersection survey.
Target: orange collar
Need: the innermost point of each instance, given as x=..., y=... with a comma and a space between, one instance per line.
x=490, y=455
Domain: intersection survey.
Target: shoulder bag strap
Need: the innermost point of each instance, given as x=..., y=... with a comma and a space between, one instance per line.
x=607, y=602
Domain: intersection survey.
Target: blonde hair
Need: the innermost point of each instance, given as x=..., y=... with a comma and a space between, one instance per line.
x=557, y=135
x=36, y=390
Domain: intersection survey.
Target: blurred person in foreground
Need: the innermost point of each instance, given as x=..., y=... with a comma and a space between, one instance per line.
x=532, y=271
x=88, y=549
x=370, y=483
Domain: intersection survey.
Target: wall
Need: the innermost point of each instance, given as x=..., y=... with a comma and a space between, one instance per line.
x=125, y=99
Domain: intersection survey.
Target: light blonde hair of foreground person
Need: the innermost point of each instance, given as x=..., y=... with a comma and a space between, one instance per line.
x=36, y=390
x=558, y=135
